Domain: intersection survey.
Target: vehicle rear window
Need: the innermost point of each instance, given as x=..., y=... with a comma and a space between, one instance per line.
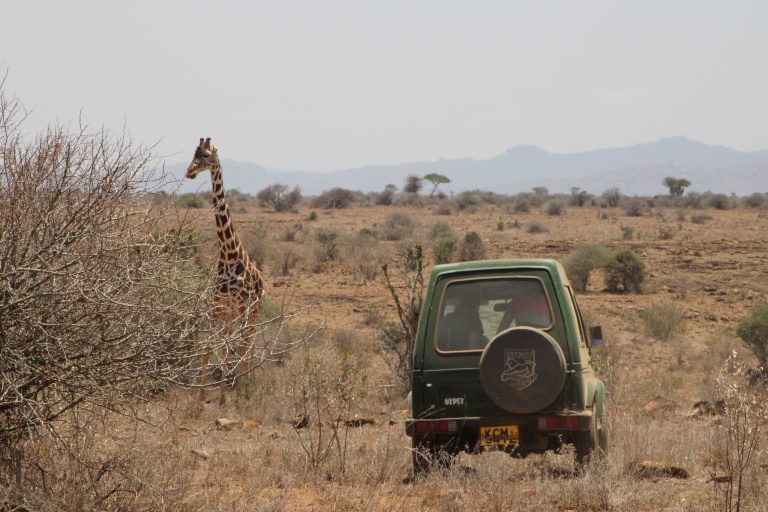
x=474, y=311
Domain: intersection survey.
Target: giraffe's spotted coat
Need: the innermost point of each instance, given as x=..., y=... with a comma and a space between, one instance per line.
x=239, y=285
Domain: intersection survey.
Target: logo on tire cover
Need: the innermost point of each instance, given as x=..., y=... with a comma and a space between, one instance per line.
x=519, y=368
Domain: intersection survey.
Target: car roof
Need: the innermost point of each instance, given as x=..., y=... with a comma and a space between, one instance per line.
x=552, y=266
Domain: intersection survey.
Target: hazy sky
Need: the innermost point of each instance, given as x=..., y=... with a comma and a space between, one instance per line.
x=328, y=84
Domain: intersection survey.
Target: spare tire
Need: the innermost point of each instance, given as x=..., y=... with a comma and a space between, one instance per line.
x=522, y=370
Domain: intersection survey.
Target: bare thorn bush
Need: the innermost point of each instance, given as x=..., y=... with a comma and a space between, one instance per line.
x=326, y=384
x=735, y=472
x=103, y=307
x=396, y=342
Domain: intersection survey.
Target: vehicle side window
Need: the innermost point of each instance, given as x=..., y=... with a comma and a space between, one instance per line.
x=580, y=320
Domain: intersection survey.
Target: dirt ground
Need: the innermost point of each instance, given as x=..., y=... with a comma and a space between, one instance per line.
x=715, y=272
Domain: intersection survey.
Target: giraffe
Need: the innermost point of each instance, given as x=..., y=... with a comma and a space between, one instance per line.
x=239, y=285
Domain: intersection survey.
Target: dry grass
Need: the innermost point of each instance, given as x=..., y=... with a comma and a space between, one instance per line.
x=179, y=460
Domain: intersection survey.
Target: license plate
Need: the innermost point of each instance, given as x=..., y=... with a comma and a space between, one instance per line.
x=504, y=435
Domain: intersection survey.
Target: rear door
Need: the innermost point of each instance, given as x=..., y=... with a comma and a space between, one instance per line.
x=468, y=310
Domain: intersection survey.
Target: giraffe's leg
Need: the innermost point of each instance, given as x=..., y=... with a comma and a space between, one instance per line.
x=221, y=319
x=228, y=319
x=242, y=349
x=205, y=375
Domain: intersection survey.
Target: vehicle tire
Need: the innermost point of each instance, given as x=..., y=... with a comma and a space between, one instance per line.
x=522, y=370
x=590, y=444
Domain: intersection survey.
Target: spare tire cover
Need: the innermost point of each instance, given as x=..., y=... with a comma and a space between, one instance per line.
x=522, y=370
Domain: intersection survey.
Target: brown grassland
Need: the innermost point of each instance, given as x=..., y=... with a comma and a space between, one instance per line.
x=179, y=458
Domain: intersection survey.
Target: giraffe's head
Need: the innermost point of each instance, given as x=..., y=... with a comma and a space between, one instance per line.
x=206, y=158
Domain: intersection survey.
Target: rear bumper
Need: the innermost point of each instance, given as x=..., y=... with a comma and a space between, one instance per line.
x=537, y=433
x=554, y=423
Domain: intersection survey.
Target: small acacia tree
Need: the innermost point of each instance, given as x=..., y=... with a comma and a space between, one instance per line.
x=676, y=186
x=436, y=180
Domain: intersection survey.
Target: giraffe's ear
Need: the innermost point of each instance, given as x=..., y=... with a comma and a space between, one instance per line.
x=208, y=142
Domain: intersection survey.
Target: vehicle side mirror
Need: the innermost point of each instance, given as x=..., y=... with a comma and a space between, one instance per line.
x=595, y=336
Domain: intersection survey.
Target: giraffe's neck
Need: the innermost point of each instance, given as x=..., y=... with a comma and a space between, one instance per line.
x=230, y=248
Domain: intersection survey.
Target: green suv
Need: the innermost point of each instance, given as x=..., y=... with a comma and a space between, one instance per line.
x=502, y=362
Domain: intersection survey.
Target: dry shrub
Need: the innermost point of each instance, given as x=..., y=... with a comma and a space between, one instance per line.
x=470, y=200
x=285, y=258
x=735, y=472
x=666, y=232
x=327, y=248
x=398, y=226
x=663, y=321
x=442, y=208
x=443, y=242
x=443, y=250
x=410, y=200
x=534, y=227
x=192, y=200
x=756, y=200
x=291, y=232
x=701, y=218
x=326, y=385
x=635, y=208
x=366, y=255
x=277, y=197
x=624, y=272
x=554, y=207
x=581, y=262
x=257, y=244
x=612, y=197
x=719, y=202
x=472, y=247
x=753, y=330
x=521, y=205
x=335, y=198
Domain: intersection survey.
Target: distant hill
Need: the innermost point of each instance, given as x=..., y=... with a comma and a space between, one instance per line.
x=636, y=170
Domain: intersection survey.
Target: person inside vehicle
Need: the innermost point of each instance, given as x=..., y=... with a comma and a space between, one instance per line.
x=529, y=308
x=462, y=329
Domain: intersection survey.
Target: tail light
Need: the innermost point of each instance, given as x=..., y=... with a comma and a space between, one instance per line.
x=559, y=422
x=435, y=427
